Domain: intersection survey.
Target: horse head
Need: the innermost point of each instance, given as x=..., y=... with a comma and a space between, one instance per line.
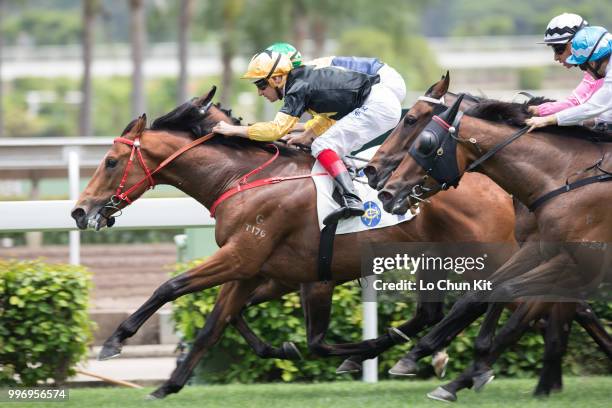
x=434, y=102
x=131, y=165
x=123, y=165
x=392, y=151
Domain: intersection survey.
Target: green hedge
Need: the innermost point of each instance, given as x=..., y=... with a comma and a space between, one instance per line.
x=44, y=321
x=233, y=361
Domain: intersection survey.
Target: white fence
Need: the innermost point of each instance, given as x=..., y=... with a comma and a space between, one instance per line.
x=150, y=213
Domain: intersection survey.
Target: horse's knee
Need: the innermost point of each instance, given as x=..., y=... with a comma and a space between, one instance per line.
x=584, y=312
x=318, y=349
x=434, y=317
x=505, y=292
x=429, y=315
x=482, y=345
x=262, y=350
x=470, y=299
x=168, y=291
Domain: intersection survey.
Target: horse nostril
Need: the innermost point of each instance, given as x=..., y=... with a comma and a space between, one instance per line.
x=78, y=213
x=385, y=196
x=371, y=174
x=370, y=171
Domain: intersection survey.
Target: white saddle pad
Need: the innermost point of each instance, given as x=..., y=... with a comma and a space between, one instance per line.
x=374, y=217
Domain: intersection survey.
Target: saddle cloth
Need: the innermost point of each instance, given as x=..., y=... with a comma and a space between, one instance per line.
x=374, y=217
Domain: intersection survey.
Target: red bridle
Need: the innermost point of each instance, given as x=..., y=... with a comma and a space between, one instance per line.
x=121, y=195
x=243, y=184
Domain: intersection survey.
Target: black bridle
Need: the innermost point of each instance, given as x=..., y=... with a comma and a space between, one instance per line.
x=435, y=149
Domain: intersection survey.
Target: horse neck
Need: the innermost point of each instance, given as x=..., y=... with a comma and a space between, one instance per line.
x=206, y=171
x=530, y=166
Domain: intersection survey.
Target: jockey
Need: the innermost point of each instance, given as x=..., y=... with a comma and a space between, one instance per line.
x=352, y=108
x=389, y=77
x=559, y=34
x=591, y=49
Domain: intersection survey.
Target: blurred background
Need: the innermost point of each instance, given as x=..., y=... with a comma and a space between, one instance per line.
x=83, y=69
x=86, y=68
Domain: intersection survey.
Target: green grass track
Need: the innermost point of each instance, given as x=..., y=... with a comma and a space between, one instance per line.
x=589, y=392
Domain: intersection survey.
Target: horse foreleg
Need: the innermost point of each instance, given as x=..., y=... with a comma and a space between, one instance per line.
x=589, y=321
x=467, y=309
x=556, y=337
x=223, y=266
x=427, y=314
x=479, y=373
x=231, y=299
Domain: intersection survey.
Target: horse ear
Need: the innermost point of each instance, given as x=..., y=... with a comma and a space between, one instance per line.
x=449, y=114
x=140, y=125
x=206, y=98
x=441, y=87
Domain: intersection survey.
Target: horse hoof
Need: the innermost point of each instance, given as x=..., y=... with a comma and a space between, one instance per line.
x=291, y=351
x=541, y=392
x=110, y=349
x=405, y=366
x=482, y=379
x=440, y=394
x=153, y=397
x=349, y=366
x=439, y=363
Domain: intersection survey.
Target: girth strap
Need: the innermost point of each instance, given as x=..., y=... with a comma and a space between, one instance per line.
x=569, y=187
x=326, y=252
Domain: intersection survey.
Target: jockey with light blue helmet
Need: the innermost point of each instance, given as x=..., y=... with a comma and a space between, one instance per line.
x=591, y=51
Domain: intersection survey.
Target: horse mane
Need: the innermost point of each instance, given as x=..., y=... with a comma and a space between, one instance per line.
x=190, y=118
x=515, y=114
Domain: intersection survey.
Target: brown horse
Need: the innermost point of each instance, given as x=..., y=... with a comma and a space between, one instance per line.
x=553, y=266
x=287, y=251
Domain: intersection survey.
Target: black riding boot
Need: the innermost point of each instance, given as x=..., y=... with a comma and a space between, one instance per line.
x=351, y=203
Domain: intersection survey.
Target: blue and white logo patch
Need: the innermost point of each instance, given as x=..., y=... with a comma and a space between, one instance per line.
x=372, y=215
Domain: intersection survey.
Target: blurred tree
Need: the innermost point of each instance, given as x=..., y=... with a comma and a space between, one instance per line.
x=231, y=10
x=416, y=63
x=265, y=22
x=2, y=11
x=49, y=27
x=183, y=46
x=90, y=9
x=299, y=24
x=324, y=14
x=499, y=17
x=162, y=17
x=138, y=44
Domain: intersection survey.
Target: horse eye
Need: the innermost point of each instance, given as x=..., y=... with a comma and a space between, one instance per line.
x=427, y=143
x=111, y=163
x=409, y=120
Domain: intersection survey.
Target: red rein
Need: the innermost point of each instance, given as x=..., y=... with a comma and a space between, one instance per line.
x=243, y=183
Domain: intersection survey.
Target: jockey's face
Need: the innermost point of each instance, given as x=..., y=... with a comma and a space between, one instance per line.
x=561, y=57
x=270, y=92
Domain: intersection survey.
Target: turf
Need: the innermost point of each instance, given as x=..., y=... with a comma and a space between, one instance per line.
x=589, y=392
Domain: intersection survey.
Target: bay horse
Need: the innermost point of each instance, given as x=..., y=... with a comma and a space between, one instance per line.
x=379, y=169
x=562, y=313
x=286, y=211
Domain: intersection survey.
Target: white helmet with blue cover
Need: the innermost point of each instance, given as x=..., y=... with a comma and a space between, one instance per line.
x=590, y=44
